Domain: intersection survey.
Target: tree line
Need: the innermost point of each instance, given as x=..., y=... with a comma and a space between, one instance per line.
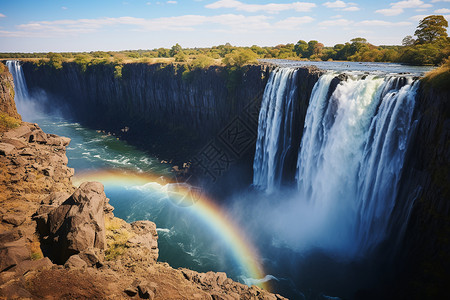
x=429, y=46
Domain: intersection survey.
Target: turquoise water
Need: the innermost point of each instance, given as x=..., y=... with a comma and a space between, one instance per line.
x=184, y=239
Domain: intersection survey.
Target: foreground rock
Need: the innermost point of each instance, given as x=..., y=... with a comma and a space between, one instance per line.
x=76, y=226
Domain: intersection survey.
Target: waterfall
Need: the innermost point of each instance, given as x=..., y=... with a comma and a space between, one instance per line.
x=382, y=162
x=351, y=154
x=26, y=107
x=20, y=86
x=274, y=128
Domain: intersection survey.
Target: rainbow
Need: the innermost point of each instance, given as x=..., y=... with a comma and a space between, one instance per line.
x=243, y=251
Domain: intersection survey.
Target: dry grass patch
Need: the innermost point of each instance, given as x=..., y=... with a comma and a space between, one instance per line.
x=7, y=122
x=439, y=78
x=117, y=237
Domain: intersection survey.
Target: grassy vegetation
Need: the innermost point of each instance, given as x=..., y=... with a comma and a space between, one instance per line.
x=7, y=122
x=439, y=78
x=116, y=238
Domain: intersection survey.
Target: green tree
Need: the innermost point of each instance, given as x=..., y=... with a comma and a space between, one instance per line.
x=408, y=41
x=175, y=50
x=240, y=57
x=55, y=60
x=431, y=28
x=202, y=62
x=314, y=48
x=163, y=52
x=180, y=57
x=301, y=48
x=357, y=44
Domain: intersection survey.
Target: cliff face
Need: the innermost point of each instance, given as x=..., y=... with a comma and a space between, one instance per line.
x=424, y=254
x=7, y=104
x=164, y=108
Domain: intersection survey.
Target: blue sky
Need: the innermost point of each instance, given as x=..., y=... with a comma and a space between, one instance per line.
x=88, y=25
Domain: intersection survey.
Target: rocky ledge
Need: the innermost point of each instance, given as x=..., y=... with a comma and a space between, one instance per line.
x=62, y=242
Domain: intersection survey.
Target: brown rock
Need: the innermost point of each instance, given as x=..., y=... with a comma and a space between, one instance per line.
x=75, y=262
x=27, y=152
x=65, y=141
x=8, y=236
x=15, y=142
x=131, y=291
x=19, y=161
x=146, y=290
x=144, y=244
x=15, y=220
x=92, y=257
x=6, y=149
x=13, y=253
x=78, y=224
x=32, y=265
x=38, y=136
x=21, y=131
x=49, y=171
x=7, y=104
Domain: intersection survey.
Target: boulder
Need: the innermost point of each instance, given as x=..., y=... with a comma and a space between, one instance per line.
x=15, y=142
x=22, y=131
x=65, y=141
x=147, y=290
x=32, y=265
x=6, y=149
x=12, y=253
x=75, y=262
x=92, y=257
x=15, y=220
x=144, y=244
x=38, y=136
x=78, y=223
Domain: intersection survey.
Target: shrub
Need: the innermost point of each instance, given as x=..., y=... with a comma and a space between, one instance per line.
x=7, y=122
x=240, y=57
x=181, y=57
x=201, y=62
x=116, y=237
x=118, y=71
x=55, y=60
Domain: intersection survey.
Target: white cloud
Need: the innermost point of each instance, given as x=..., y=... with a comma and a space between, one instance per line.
x=351, y=8
x=390, y=11
x=2, y=15
x=434, y=1
x=336, y=17
x=292, y=23
x=382, y=23
x=269, y=8
x=442, y=11
x=172, y=2
x=336, y=4
x=336, y=23
x=341, y=5
x=398, y=8
x=63, y=7
x=231, y=22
